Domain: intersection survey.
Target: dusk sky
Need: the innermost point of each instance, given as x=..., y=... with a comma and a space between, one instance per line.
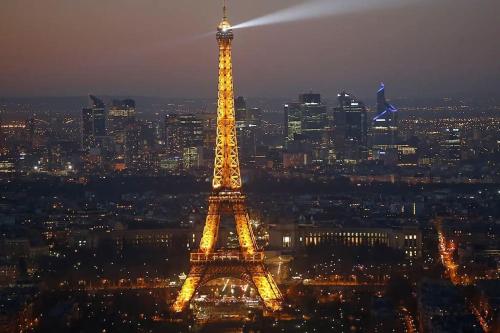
x=161, y=48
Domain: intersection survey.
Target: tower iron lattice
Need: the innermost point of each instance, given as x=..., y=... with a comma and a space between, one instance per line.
x=208, y=262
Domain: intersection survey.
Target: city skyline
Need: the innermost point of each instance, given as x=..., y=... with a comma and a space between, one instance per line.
x=421, y=49
x=312, y=213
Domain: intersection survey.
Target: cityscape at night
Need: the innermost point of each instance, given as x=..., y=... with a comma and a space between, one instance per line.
x=250, y=166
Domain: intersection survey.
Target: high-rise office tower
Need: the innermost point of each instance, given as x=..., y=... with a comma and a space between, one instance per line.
x=182, y=131
x=98, y=116
x=131, y=146
x=248, y=129
x=293, y=121
x=307, y=123
x=93, y=124
x=240, y=107
x=30, y=132
x=385, y=123
x=121, y=114
x=171, y=135
x=315, y=125
x=121, y=117
x=87, y=129
x=308, y=118
x=310, y=99
x=184, y=137
x=350, y=128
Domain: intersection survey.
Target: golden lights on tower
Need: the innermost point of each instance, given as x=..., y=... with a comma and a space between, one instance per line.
x=245, y=263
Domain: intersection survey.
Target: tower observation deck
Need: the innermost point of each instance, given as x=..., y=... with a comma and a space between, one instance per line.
x=247, y=262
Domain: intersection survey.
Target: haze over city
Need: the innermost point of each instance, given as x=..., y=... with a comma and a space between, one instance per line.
x=249, y=166
x=161, y=48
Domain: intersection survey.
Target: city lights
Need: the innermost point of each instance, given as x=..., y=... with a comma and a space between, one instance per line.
x=305, y=196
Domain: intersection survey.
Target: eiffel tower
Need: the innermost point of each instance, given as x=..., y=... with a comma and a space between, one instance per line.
x=247, y=262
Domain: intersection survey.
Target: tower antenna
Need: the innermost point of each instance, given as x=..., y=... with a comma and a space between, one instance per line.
x=224, y=10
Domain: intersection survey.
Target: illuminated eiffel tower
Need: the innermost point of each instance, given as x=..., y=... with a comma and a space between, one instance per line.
x=245, y=263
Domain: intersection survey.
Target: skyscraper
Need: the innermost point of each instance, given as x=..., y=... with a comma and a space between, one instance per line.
x=350, y=128
x=307, y=123
x=315, y=125
x=384, y=130
x=30, y=132
x=184, y=138
x=98, y=116
x=240, y=107
x=121, y=117
x=385, y=123
x=292, y=121
x=310, y=99
x=121, y=114
x=248, y=129
x=93, y=124
x=87, y=129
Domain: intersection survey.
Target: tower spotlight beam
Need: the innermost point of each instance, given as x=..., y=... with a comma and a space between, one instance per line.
x=314, y=9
